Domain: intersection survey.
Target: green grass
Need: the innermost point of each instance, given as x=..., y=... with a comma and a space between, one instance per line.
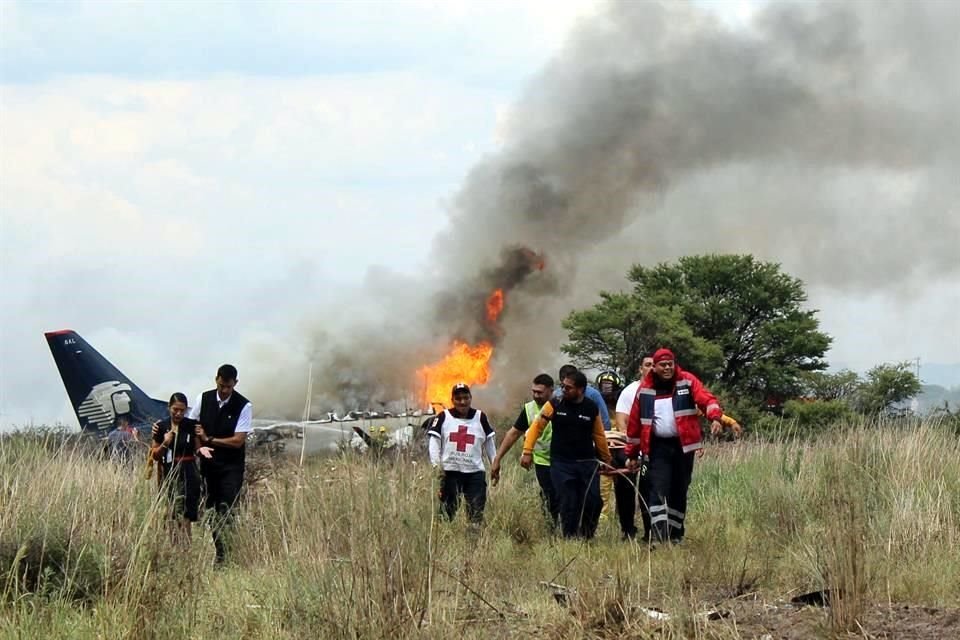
x=345, y=548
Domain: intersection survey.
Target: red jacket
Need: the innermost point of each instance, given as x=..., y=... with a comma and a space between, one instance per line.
x=688, y=394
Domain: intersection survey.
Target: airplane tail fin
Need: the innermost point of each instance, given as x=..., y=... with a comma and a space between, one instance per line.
x=98, y=391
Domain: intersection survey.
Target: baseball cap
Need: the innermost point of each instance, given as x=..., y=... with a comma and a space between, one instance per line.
x=460, y=387
x=663, y=354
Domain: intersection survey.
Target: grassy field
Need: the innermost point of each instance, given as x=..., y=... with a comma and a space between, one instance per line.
x=349, y=548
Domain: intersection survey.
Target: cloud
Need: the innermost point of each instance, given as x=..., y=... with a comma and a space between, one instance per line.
x=190, y=187
x=144, y=208
x=658, y=131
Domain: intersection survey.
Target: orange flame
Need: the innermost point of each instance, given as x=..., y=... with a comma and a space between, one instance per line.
x=494, y=305
x=462, y=364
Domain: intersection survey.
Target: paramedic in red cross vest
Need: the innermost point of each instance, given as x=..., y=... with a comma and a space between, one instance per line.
x=459, y=438
x=665, y=427
x=225, y=418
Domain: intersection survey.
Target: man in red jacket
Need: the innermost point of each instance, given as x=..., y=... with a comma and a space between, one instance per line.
x=665, y=427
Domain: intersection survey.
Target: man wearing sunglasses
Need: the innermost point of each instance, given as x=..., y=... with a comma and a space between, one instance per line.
x=576, y=443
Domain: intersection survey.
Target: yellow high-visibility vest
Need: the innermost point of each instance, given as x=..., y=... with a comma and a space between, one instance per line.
x=541, y=451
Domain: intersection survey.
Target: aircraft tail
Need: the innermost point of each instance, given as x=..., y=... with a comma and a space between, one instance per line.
x=98, y=391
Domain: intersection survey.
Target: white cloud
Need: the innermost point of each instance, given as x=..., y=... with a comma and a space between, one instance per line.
x=884, y=327
x=122, y=195
x=159, y=163
x=189, y=157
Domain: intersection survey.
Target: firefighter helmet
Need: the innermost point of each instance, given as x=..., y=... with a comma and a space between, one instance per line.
x=609, y=383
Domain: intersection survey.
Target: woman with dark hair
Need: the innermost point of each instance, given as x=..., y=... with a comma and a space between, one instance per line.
x=175, y=448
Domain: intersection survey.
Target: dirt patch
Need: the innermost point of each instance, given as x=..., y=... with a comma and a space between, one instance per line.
x=790, y=622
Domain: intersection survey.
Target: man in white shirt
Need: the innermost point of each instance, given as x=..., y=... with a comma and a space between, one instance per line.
x=225, y=418
x=629, y=393
x=664, y=426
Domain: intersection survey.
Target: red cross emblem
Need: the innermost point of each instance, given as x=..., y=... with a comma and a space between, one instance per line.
x=462, y=438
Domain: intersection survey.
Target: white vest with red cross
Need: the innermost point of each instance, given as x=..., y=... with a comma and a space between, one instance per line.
x=461, y=443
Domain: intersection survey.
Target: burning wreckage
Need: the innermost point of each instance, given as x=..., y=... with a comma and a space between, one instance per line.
x=103, y=396
x=471, y=346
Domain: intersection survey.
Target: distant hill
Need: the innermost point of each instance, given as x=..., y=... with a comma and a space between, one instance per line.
x=933, y=396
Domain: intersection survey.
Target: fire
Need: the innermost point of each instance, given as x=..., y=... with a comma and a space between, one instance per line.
x=471, y=363
x=494, y=305
x=464, y=363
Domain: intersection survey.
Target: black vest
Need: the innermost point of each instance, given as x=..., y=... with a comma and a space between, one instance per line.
x=221, y=422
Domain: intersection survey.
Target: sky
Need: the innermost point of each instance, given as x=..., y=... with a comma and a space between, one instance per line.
x=189, y=184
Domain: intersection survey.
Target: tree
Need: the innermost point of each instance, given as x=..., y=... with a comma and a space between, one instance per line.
x=734, y=320
x=618, y=331
x=817, y=416
x=842, y=385
x=885, y=386
x=750, y=309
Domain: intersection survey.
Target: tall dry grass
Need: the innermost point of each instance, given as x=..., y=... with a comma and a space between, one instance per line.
x=348, y=548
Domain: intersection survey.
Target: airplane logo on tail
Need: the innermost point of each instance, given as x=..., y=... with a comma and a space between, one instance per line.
x=98, y=391
x=105, y=402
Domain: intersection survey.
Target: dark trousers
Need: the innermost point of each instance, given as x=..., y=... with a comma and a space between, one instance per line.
x=472, y=485
x=550, y=503
x=628, y=490
x=577, y=486
x=182, y=482
x=223, y=483
x=668, y=479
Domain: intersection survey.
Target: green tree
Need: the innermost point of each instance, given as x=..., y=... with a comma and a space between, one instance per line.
x=750, y=309
x=842, y=385
x=618, y=331
x=730, y=318
x=886, y=385
x=816, y=416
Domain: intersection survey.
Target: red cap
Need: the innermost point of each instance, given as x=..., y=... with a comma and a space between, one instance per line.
x=662, y=354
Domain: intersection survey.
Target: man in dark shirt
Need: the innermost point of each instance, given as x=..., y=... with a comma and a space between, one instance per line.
x=122, y=440
x=577, y=441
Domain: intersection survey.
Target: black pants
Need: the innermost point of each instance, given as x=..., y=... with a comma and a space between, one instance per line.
x=628, y=490
x=182, y=482
x=550, y=503
x=577, y=487
x=668, y=479
x=223, y=483
x=472, y=485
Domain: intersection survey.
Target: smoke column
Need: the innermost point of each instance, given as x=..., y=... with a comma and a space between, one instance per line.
x=824, y=136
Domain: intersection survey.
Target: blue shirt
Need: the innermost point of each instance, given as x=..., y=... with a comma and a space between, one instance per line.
x=593, y=394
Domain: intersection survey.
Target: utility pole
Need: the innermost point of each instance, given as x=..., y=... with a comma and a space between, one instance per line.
x=917, y=361
x=308, y=404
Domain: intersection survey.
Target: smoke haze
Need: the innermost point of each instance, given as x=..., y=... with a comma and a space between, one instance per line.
x=824, y=137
